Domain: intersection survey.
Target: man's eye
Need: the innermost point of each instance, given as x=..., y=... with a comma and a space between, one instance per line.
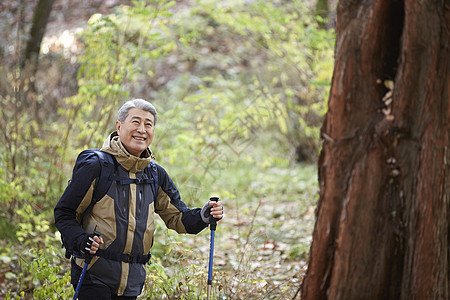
x=149, y=124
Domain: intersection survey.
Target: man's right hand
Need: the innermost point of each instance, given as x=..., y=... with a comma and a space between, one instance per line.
x=91, y=243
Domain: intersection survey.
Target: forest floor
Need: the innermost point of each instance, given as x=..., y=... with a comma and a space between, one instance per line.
x=261, y=251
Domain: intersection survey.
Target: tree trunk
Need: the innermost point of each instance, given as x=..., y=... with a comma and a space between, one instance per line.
x=30, y=59
x=383, y=217
x=40, y=20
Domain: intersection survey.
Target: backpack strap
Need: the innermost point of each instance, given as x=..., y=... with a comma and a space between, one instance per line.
x=101, y=187
x=128, y=258
x=152, y=172
x=152, y=178
x=124, y=180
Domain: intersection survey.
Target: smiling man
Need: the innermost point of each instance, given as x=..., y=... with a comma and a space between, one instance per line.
x=124, y=215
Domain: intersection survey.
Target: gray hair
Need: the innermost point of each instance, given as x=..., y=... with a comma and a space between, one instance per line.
x=136, y=103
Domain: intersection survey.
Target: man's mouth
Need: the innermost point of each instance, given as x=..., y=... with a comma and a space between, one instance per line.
x=139, y=138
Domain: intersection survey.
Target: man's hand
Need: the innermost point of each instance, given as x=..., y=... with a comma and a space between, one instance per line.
x=212, y=208
x=91, y=243
x=96, y=244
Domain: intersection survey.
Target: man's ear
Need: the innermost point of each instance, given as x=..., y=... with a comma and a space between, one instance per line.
x=118, y=126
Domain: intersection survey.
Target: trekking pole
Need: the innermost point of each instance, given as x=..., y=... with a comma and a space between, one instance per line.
x=212, y=227
x=87, y=260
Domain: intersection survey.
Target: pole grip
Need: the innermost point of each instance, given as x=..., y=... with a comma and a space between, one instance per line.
x=212, y=220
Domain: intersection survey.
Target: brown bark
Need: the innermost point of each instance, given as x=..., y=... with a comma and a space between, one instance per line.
x=382, y=228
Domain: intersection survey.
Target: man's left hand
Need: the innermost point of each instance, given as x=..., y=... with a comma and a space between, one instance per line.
x=212, y=208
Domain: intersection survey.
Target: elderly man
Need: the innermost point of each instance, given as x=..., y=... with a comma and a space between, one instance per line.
x=124, y=215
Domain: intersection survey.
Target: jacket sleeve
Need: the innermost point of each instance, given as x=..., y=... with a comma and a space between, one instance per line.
x=65, y=212
x=174, y=212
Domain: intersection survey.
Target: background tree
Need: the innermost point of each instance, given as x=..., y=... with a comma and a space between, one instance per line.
x=382, y=229
x=40, y=20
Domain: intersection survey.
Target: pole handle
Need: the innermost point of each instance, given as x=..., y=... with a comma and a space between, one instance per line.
x=212, y=220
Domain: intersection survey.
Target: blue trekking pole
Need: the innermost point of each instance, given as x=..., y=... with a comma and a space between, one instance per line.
x=80, y=281
x=87, y=260
x=212, y=227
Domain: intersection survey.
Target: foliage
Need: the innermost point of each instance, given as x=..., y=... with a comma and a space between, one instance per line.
x=251, y=71
x=116, y=46
x=30, y=167
x=186, y=281
x=41, y=272
x=35, y=262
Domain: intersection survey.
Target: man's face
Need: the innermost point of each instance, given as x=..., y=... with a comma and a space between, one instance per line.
x=136, y=132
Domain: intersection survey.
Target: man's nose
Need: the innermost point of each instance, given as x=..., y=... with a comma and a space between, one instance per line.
x=141, y=128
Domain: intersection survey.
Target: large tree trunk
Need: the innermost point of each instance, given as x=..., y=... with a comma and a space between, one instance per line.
x=382, y=228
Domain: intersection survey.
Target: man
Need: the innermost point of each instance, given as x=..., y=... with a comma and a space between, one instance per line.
x=125, y=214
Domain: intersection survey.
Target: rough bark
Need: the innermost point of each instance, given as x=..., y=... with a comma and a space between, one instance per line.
x=382, y=228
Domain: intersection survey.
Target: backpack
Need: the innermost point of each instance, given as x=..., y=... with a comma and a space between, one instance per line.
x=108, y=167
